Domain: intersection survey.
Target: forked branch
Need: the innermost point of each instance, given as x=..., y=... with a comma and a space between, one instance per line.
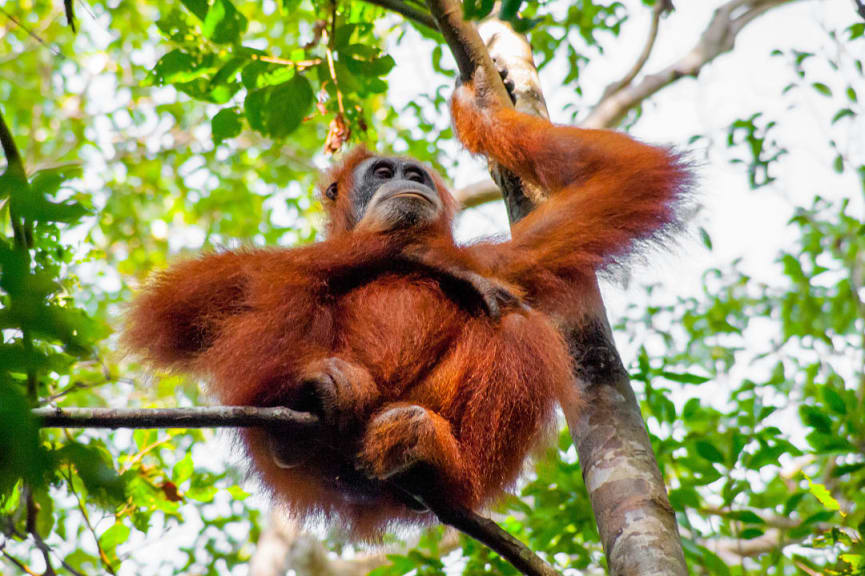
x=718, y=38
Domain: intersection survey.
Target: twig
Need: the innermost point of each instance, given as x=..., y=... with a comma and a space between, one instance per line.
x=32, y=513
x=299, y=64
x=718, y=38
x=31, y=33
x=661, y=7
x=103, y=557
x=407, y=11
x=20, y=565
x=328, y=50
x=488, y=532
x=13, y=156
x=465, y=44
x=70, y=13
x=206, y=417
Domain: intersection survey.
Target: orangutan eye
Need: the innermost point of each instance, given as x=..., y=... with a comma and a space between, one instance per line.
x=414, y=174
x=384, y=172
x=331, y=191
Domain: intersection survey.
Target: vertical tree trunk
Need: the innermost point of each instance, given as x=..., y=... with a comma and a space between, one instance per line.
x=636, y=523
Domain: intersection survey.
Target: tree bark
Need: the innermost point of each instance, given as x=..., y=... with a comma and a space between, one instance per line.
x=636, y=523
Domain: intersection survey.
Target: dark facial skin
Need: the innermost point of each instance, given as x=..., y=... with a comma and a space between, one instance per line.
x=391, y=193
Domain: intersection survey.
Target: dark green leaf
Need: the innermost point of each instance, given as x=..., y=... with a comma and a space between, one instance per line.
x=746, y=516
x=685, y=378
x=197, y=7
x=842, y=113
x=224, y=24
x=278, y=110
x=226, y=124
x=708, y=451
x=96, y=471
x=509, y=9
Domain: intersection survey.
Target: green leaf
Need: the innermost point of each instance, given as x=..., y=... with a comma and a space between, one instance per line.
x=45, y=505
x=746, y=516
x=93, y=465
x=509, y=9
x=197, y=7
x=822, y=494
x=691, y=409
x=202, y=494
x=834, y=400
x=751, y=533
x=705, y=238
x=842, y=113
x=237, y=492
x=40, y=209
x=815, y=418
x=822, y=88
x=226, y=124
x=708, y=451
x=278, y=110
x=182, y=471
x=684, y=498
x=113, y=537
x=685, y=378
x=223, y=23
x=48, y=182
x=21, y=453
x=765, y=456
x=176, y=67
x=379, y=66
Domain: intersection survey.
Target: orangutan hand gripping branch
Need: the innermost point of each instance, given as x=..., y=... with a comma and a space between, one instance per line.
x=426, y=361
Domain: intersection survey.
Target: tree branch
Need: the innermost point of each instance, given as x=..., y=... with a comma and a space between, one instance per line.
x=488, y=532
x=636, y=523
x=661, y=7
x=463, y=519
x=199, y=417
x=623, y=95
x=10, y=150
x=478, y=193
x=406, y=11
x=718, y=38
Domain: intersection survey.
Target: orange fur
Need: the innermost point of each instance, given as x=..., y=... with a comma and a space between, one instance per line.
x=413, y=376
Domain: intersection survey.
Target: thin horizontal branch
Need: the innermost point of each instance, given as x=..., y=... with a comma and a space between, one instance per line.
x=463, y=519
x=406, y=11
x=199, y=417
x=478, y=193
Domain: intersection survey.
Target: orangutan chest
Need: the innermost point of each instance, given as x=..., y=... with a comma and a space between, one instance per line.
x=399, y=325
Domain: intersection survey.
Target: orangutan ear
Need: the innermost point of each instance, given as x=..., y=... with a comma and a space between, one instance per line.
x=331, y=192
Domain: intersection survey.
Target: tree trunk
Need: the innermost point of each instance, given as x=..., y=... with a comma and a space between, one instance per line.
x=636, y=523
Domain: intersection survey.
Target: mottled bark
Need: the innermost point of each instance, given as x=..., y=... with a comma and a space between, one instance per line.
x=636, y=523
